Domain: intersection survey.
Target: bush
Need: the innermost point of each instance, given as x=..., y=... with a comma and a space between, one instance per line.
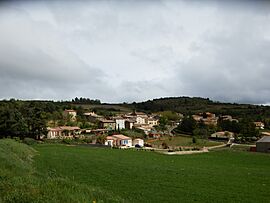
x=29, y=141
x=164, y=145
x=67, y=141
x=194, y=140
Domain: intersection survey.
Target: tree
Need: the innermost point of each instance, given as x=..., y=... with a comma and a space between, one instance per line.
x=101, y=139
x=248, y=130
x=188, y=125
x=163, y=123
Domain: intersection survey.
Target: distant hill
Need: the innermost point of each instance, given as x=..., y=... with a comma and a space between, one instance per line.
x=191, y=105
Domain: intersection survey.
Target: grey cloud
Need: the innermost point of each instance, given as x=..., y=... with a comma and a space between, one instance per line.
x=35, y=63
x=231, y=66
x=129, y=50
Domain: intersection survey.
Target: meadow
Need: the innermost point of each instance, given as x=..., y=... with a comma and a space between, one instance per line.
x=184, y=141
x=84, y=174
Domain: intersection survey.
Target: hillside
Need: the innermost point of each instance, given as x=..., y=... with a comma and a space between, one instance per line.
x=20, y=181
x=194, y=105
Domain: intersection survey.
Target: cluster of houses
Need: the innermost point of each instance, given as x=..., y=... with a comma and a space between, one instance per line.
x=144, y=122
x=132, y=120
x=211, y=119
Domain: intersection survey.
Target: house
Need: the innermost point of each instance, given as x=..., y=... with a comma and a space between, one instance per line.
x=107, y=124
x=70, y=114
x=152, y=122
x=140, y=117
x=141, y=120
x=129, y=123
x=54, y=133
x=207, y=118
x=223, y=135
x=119, y=123
x=63, y=132
x=110, y=141
x=92, y=116
x=228, y=118
x=197, y=118
x=118, y=140
x=138, y=141
x=263, y=145
x=259, y=125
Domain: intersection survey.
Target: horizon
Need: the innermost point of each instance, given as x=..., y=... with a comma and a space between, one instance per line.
x=135, y=51
x=124, y=102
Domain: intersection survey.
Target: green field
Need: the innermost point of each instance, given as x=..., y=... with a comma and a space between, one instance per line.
x=185, y=141
x=139, y=176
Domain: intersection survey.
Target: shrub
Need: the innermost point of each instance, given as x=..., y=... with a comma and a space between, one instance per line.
x=194, y=140
x=67, y=141
x=164, y=145
x=29, y=141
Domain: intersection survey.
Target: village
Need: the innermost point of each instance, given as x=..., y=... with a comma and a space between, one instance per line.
x=107, y=131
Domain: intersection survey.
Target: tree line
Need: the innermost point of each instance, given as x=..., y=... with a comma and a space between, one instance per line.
x=244, y=130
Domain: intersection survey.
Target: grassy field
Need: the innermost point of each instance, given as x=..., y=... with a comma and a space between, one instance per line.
x=60, y=173
x=182, y=141
x=20, y=181
x=138, y=176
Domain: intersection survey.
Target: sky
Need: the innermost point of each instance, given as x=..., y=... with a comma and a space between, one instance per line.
x=125, y=51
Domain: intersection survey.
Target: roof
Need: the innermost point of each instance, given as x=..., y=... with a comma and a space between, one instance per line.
x=130, y=120
x=106, y=121
x=258, y=123
x=118, y=117
x=152, y=119
x=121, y=137
x=60, y=128
x=265, y=139
x=70, y=110
x=69, y=127
x=110, y=138
x=54, y=129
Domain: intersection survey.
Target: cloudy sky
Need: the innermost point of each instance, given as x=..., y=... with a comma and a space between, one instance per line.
x=120, y=51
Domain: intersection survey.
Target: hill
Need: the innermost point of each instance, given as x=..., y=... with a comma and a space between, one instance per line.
x=193, y=105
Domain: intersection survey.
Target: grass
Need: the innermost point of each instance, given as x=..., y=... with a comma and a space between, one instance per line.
x=183, y=141
x=60, y=173
x=138, y=176
x=21, y=182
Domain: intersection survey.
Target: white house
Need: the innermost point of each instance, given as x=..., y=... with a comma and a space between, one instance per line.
x=140, y=120
x=63, y=132
x=259, y=125
x=152, y=122
x=118, y=140
x=223, y=135
x=138, y=141
x=119, y=123
x=110, y=141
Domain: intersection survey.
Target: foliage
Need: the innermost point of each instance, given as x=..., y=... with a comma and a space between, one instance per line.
x=134, y=133
x=164, y=145
x=162, y=124
x=232, y=126
x=82, y=100
x=22, y=119
x=29, y=141
x=194, y=105
x=188, y=125
x=101, y=139
x=170, y=115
